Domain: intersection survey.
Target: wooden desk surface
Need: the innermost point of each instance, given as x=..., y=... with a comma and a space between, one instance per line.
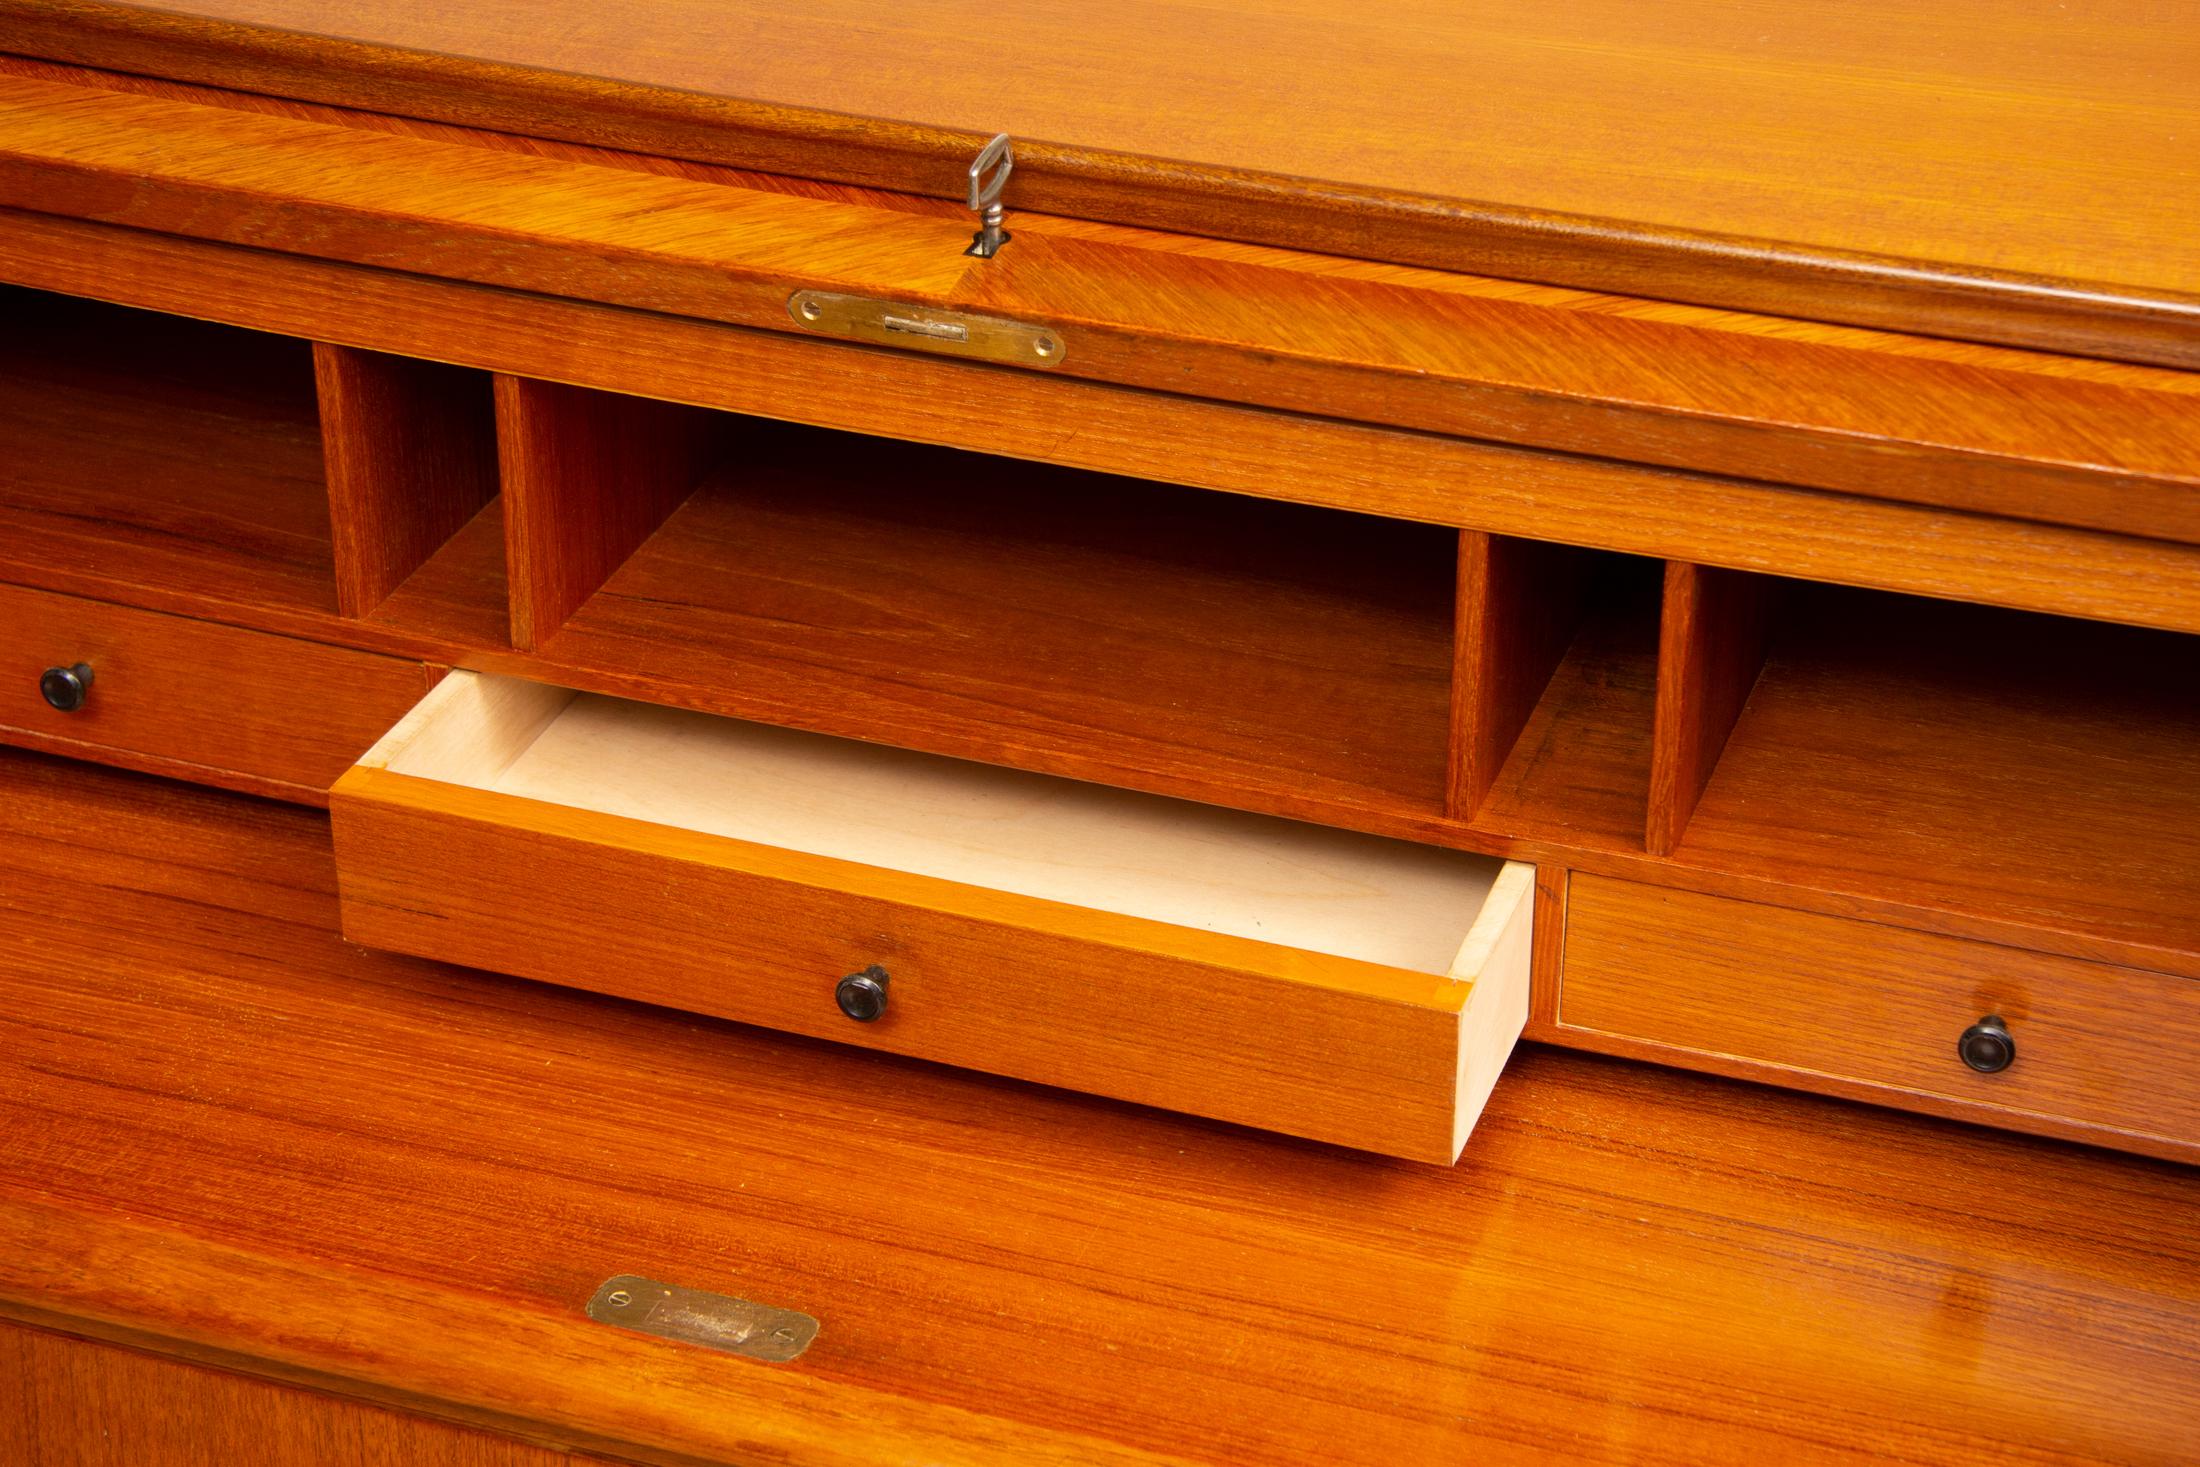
x=223, y=1130
x=1987, y=167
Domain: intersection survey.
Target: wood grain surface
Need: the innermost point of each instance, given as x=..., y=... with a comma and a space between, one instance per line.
x=588, y=476
x=2008, y=172
x=1333, y=1005
x=74, y=1403
x=146, y=449
x=1279, y=330
x=1586, y=809
x=1029, y=615
x=1972, y=759
x=1713, y=630
x=228, y=1133
x=1579, y=500
x=271, y=715
x=411, y=456
x=1864, y=1010
x=1518, y=604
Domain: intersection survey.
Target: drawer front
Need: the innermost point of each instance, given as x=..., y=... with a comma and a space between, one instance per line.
x=202, y=701
x=2102, y=1053
x=1337, y=1049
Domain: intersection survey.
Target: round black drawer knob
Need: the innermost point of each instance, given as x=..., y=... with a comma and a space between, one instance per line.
x=66, y=688
x=1987, y=1047
x=862, y=996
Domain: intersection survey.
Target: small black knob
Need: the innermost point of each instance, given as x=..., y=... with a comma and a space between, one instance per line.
x=862, y=996
x=66, y=688
x=1987, y=1047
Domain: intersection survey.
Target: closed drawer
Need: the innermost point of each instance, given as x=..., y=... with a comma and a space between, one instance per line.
x=175, y=696
x=1336, y=986
x=2102, y=1053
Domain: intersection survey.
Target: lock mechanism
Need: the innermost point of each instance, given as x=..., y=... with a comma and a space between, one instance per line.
x=989, y=173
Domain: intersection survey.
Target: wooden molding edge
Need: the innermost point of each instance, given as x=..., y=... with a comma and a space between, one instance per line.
x=1787, y=278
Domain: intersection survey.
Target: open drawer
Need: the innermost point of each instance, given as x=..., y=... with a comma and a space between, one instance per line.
x=1337, y=986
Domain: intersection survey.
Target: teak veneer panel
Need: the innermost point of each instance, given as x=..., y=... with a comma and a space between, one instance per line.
x=75, y=1403
x=2102, y=1053
x=1355, y=990
x=1519, y=601
x=1712, y=636
x=988, y=608
x=1581, y=501
x=411, y=454
x=2010, y=173
x=1634, y=1263
x=587, y=476
x=270, y=715
x=1705, y=520
x=1419, y=354
x=140, y=449
x=1971, y=760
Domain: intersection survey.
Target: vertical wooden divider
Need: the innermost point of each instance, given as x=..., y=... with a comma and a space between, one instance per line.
x=411, y=457
x=1519, y=603
x=1712, y=638
x=588, y=476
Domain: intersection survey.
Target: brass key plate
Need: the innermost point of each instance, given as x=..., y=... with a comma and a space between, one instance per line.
x=714, y=1321
x=927, y=328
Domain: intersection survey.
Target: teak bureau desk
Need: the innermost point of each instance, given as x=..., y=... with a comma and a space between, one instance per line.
x=1675, y=536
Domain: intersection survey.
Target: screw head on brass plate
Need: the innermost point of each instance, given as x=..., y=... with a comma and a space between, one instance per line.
x=927, y=328
x=714, y=1321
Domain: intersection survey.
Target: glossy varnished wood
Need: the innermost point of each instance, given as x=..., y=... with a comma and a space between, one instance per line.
x=75, y=1403
x=587, y=476
x=1635, y=1264
x=2005, y=173
x=2009, y=434
x=1063, y=621
x=411, y=458
x=2103, y=1053
x=1356, y=991
x=243, y=709
x=1712, y=634
x=2046, y=771
x=143, y=449
x=1579, y=796
x=1585, y=501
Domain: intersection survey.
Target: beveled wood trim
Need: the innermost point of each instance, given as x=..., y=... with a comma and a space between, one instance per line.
x=1781, y=278
x=2008, y=437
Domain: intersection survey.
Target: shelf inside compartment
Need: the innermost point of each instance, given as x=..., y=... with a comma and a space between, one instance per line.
x=1105, y=628
x=1985, y=762
x=143, y=450
x=458, y=594
x=1579, y=773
